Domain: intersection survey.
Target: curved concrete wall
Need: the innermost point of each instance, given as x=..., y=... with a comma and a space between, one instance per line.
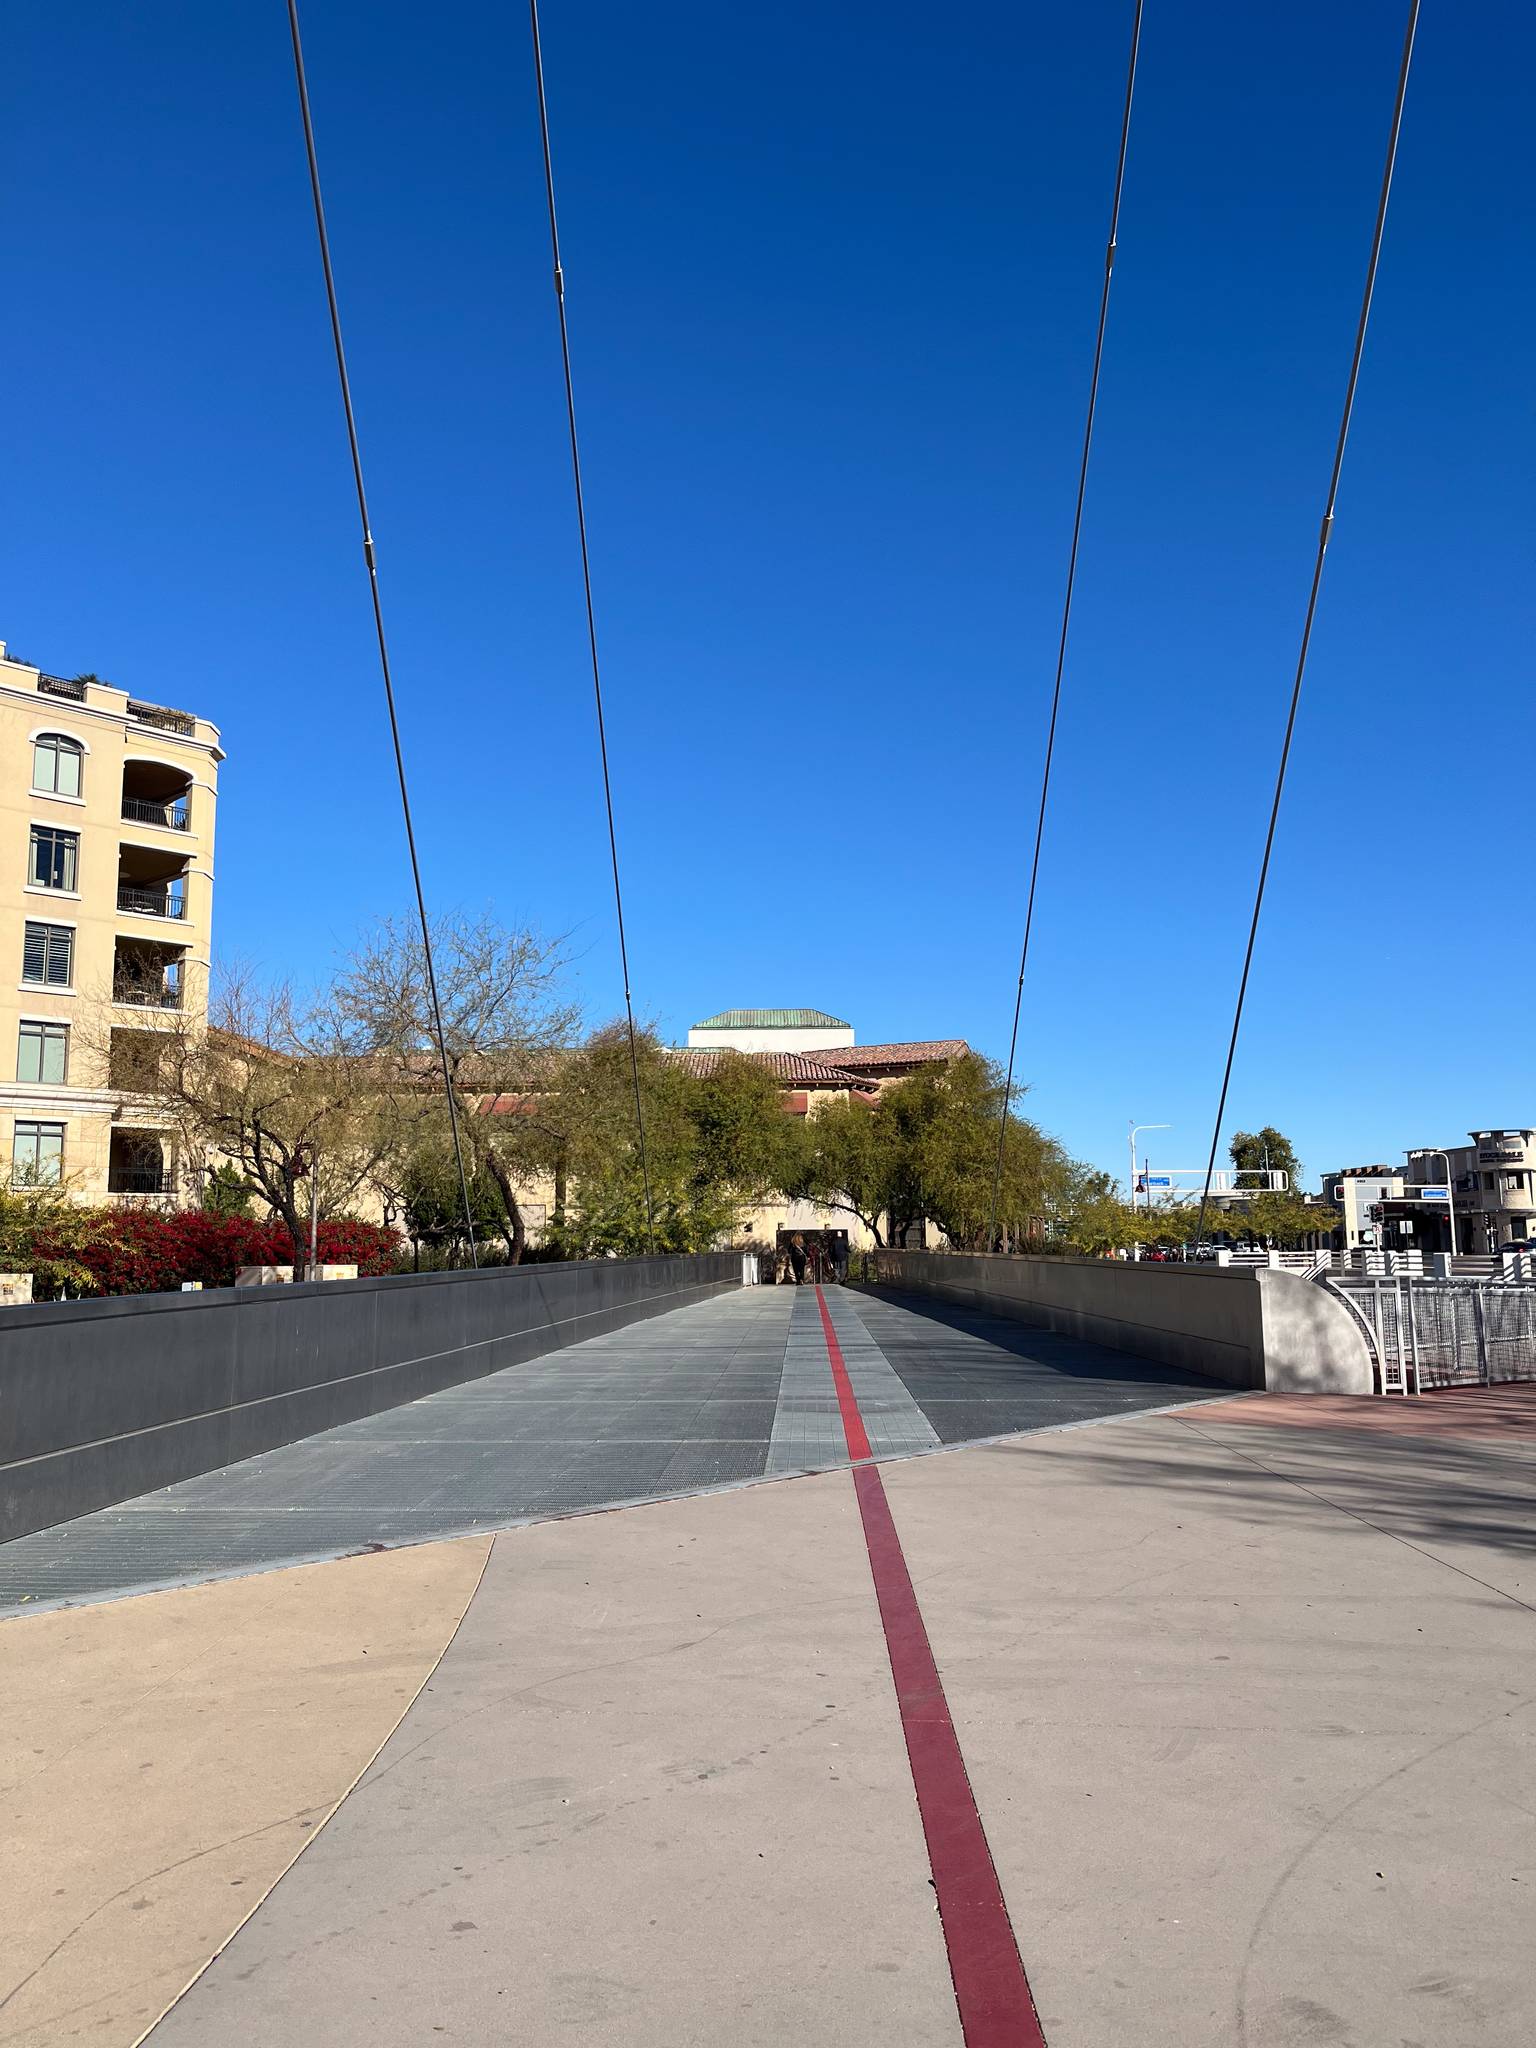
x=104, y=1400
x=1250, y=1328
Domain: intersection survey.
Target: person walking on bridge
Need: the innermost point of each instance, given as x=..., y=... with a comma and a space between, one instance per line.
x=797, y=1258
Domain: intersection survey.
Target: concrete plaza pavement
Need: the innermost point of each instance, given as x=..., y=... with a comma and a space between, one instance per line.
x=1246, y=1692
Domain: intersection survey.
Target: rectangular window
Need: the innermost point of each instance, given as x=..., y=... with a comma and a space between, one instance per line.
x=48, y=955
x=37, y=1155
x=56, y=765
x=54, y=862
x=42, y=1052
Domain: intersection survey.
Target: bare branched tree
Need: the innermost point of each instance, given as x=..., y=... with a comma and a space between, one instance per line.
x=279, y=1084
x=503, y=1017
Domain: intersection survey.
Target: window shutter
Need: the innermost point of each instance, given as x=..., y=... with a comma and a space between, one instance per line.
x=61, y=957
x=34, y=952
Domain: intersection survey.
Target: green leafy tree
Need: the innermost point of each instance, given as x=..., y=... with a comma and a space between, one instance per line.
x=228, y=1192
x=714, y=1144
x=849, y=1160
x=1254, y=1152
x=430, y=1202
x=45, y=1232
x=1093, y=1218
x=1281, y=1220
x=928, y=1147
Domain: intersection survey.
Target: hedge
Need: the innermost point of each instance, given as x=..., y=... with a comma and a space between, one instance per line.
x=141, y=1251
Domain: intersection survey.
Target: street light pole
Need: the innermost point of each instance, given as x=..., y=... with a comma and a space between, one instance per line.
x=1450, y=1191
x=1131, y=1188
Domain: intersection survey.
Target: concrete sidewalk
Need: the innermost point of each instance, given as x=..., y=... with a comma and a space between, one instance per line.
x=1248, y=1708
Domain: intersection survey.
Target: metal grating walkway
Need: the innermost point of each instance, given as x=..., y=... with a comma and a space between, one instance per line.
x=727, y=1391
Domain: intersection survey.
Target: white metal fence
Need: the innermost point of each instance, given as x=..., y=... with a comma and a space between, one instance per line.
x=1446, y=1333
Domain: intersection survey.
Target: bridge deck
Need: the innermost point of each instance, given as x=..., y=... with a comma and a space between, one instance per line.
x=1191, y=1728
x=729, y=1391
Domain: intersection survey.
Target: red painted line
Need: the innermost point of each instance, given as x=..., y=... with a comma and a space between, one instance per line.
x=853, y=1422
x=991, y=1990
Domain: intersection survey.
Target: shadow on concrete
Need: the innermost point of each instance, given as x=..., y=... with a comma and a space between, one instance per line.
x=975, y=1374
x=1444, y=1495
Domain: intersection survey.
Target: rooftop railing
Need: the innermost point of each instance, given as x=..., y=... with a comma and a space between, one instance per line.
x=158, y=714
x=62, y=686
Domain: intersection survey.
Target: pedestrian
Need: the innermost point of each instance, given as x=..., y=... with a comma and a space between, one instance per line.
x=840, y=1258
x=797, y=1258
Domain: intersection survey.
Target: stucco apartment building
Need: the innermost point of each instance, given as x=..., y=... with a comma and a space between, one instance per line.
x=106, y=903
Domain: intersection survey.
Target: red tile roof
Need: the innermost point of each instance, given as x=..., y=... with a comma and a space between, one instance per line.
x=797, y=1067
x=920, y=1052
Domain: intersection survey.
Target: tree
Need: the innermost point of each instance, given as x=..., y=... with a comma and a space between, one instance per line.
x=714, y=1142
x=227, y=1192
x=928, y=1147
x=503, y=1019
x=1255, y=1152
x=276, y=1084
x=429, y=1200
x=1277, y=1219
x=1093, y=1218
x=850, y=1161
x=45, y=1232
x=950, y=1119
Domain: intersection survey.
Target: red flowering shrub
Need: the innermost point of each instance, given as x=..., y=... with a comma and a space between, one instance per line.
x=141, y=1251
x=348, y=1242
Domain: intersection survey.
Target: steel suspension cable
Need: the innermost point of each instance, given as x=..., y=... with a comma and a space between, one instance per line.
x=1066, y=611
x=378, y=617
x=1324, y=534
x=586, y=578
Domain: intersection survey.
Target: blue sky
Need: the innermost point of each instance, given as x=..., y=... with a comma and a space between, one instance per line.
x=832, y=274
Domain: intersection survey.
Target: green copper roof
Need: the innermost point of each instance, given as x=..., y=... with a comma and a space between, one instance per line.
x=772, y=1020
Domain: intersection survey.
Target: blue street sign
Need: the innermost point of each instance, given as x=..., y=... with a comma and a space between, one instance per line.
x=1435, y=1194
x=1158, y=1180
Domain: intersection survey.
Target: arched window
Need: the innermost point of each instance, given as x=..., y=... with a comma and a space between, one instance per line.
x=56, y=760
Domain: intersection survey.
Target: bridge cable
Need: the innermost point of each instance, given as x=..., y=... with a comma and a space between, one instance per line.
x=1066, y=611
x=378, y=616
x=1317, y=578
x=586, y=577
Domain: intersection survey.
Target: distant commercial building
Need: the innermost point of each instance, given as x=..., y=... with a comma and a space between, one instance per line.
x=1492, y=1184
x=106, y=903
x=1358, y=1193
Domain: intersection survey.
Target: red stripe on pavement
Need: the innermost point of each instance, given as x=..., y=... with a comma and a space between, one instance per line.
x=991, y=1989
x=853, y=1422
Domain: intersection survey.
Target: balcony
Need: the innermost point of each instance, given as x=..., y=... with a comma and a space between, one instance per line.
x=166, y=719
x=148, y=995
x=137, y=1165
x=151, y=881
x=72, y=687
x=155, y=793
x=147, y=976
x=140, y=1180
x=170, y=817
x=151, y=902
